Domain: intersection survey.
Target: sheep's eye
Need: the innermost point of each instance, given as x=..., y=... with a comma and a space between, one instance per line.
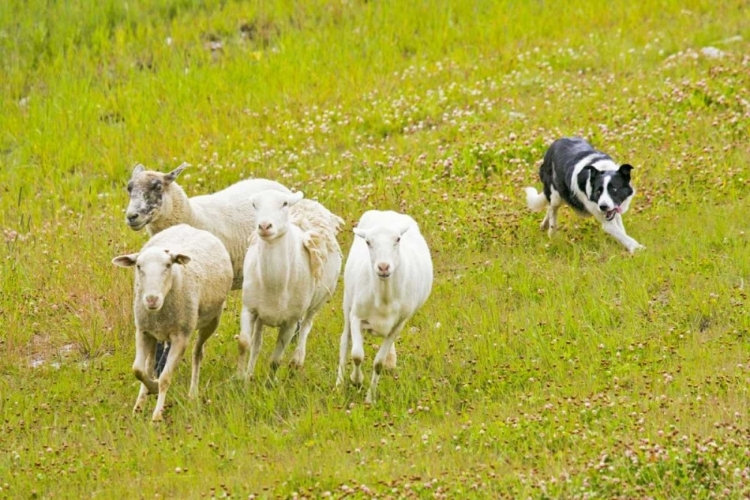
x=138, y=266
x=285, y=204
x=130, y=187
x=398, y=239
x=169, y=265
x=368, y=243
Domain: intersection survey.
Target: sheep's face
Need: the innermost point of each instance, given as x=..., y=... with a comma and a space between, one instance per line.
x=272, y=212
x=146, y=189
x=384, y=246
x=153, y=273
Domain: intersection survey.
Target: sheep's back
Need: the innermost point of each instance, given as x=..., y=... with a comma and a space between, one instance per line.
x=229, y=215
x=322, y=227
x=210, y=266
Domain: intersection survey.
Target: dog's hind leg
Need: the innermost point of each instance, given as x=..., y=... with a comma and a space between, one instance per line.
x=545, y=222
x=550, y=220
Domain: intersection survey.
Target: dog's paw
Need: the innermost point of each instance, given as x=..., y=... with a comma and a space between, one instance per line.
x=635, y=248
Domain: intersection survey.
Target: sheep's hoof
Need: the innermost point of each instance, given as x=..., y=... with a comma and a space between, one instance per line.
x=339, y=378
x=297, y=361
x=157, y=417
x=271, y=382
x=390, y=361
x=357, y=378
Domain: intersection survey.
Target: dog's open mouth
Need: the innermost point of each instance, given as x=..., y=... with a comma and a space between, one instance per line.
x=611, y=213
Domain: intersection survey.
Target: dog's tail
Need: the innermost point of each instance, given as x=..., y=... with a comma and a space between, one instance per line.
x=535, y=200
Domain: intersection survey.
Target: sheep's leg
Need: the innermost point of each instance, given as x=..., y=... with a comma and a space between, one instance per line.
x=343, y=348
x=390, y=359
x=257, y=343
x=286, y=332
x=380, y=359
x=304, y=330
x=143, y=367
x=358, y=349
x=178, y=343
x=244, y=343
x=203, y=335
x=298, y=359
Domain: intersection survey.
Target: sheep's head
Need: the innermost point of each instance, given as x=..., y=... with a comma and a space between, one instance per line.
x=272, y=212
x=383, y=243
x=153, y=274
x=146, y=189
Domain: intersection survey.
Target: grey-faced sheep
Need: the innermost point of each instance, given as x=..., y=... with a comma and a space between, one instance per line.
x=158, y=202
x=182, y=278
x=291, y=269
x=387, y=278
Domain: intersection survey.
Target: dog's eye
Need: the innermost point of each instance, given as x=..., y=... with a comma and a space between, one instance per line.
x=614, y=190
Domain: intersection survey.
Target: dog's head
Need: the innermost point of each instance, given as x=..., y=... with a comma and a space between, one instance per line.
x=610, y=189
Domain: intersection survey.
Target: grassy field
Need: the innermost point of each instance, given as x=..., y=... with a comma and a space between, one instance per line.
x=539, y=368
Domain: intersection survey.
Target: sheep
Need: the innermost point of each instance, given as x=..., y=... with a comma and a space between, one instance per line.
x=182, y=279
x=291, y=269
x=158, y=202
x=387, y=278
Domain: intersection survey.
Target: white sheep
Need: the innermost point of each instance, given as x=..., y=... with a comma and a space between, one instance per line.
x=291, y=269
x=387, y=278
x=183, y=276
x=158, y=202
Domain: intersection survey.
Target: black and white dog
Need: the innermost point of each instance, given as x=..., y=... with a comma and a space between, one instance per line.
x=587, y=180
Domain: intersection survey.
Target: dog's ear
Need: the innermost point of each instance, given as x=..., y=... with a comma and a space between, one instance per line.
x=625, y=169
x=593, y=172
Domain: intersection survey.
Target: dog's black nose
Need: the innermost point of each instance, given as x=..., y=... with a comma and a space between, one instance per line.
x=603, y=208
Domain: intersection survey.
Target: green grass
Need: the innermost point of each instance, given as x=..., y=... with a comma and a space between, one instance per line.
x=538, y=368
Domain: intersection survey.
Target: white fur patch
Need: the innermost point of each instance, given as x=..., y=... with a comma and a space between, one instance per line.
x=605, y=199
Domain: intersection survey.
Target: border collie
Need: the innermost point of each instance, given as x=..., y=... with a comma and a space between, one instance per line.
x=589, y=181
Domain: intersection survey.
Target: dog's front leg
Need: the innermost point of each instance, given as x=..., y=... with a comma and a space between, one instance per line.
x=616, y=229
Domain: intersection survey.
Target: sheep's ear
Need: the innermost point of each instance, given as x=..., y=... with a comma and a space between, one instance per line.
x=125, y=260
x=295, y=197
x=171, y=176
x=360, y=232
x=179, y=258
x=138, y=169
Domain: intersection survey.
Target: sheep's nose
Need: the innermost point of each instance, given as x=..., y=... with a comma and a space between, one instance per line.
x=265, y=226
x=151, y=300
x=383, y=267
x=132, y=217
